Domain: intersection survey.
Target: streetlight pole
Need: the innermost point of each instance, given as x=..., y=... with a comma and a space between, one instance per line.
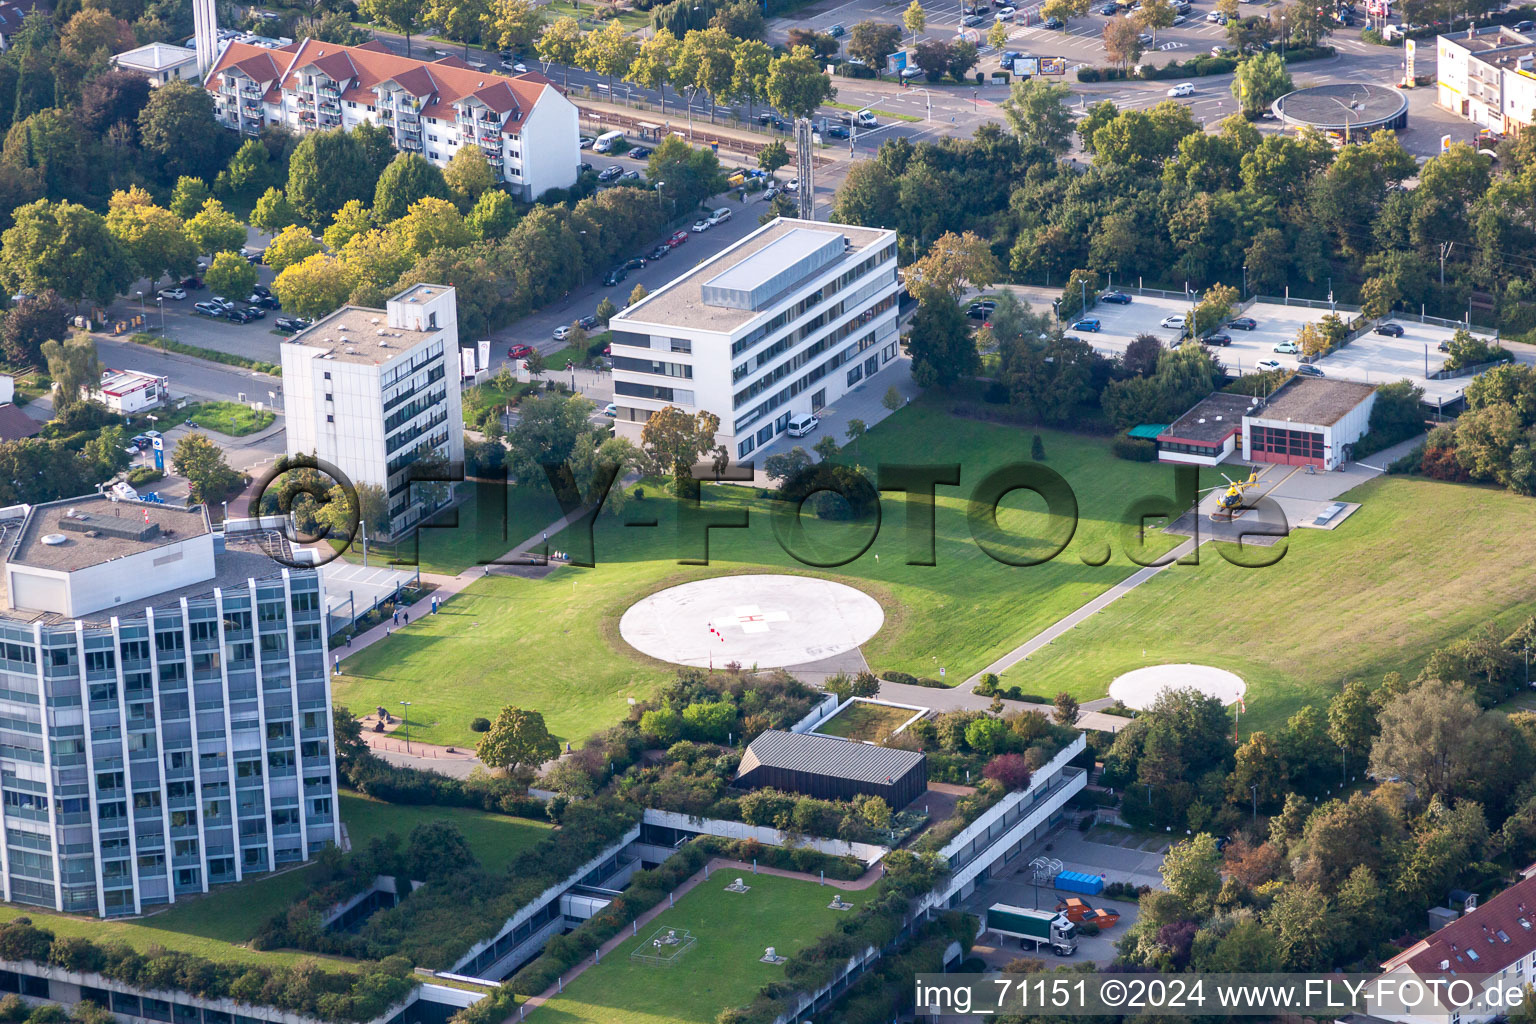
x=142, y=312
x=405, y=719
x=161, y=301
x=1255, y=788
x=1245, y=280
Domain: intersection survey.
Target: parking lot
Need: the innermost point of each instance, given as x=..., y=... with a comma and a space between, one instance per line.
x=1120, y=324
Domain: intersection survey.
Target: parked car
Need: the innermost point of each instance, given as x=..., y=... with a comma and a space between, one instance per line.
x=1179, y=19
x=981, y=309
x=519, y=351
x=723, y=214
x=630, y=175
x=264, y=301
x=252, y=255
x=238, y=315
x=908, y=74
x=1216, y=18
x=1004, y=14
x=1110, y=10
x=677, y=239
x=1054, y=23
x=1444, y=346
x=1389, y=330
x=836, y=131
x=1182, y=89
x=658, y=252
x=191, y=283
x=211, y=309
x=561, y=333
x=1221, y=340
x=802, y=424
x=702, y=224
x=836, y=31
x=262, y=290
x=641, y=152
x=290, y=324
x=176, y=294
x=635, y=263
x=222, y=301
x=587, y=322
x=1144, y=38
x=1289, y=348
x=1118, y=298
x=614, y=276
x=1308, y=370
x=769, y=194
x=1177, y=321
x=1087, y=323
x=792, y=185
x=140, y=441
x=1525, y=26
x=255, y=313
x=972, y=20
x=1266, y=365
x=585, y=142
x=610, y=173
x=1243, y=323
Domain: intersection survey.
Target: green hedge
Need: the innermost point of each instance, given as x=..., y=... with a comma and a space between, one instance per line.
x=212, y=355
x=1199, y=66
x=1133, y=449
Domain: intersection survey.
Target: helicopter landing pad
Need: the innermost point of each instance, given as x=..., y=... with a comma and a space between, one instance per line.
x=1141, y=688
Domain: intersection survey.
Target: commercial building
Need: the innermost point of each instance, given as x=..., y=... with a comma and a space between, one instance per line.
x=1345, y=112
x=832, y=768
x=165, y=713
x=1309, y=421
x=522, y=124
x=1496, y=940
x=1488, y=76
x=128, y=391
x=371, y=391
x=785, y=321
x=160, y=62
x=1207, y=433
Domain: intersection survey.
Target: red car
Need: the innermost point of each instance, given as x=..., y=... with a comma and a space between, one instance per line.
x=519, y=351
x=677, y=239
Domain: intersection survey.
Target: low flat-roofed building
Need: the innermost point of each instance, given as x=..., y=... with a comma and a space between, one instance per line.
x=160, y=62
x=1309, y=421
x=128, y=391
x=1208, y=433
x=832, y=768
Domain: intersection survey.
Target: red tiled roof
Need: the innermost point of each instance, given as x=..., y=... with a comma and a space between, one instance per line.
x=374, y=45
x=452, y=61
x=257, y=62
x=365, y=67
x=15, y=424
x=1484, y=941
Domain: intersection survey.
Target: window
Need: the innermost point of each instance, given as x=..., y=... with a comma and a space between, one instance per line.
x=183, y=819
x=330, y=417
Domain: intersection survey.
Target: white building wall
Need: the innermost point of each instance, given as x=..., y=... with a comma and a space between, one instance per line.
x=548, y=148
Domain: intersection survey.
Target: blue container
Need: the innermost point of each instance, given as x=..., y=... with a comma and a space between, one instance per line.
x=1078, y=881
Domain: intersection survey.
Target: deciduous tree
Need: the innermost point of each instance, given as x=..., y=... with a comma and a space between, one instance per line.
x=797, y=83
x=274, y=212
x=677, y=441
x=315, y=286
x=230, y=274
x=64, y=247
x=518, y=738
x=202, y=463
x=410, y=178
x=214, y=229
x=1036, y=111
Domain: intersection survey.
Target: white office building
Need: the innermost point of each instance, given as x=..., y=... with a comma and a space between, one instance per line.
x=165, y=712
x=785, y=321
x=371, y=391
x=1488, y=76
x=521, y=123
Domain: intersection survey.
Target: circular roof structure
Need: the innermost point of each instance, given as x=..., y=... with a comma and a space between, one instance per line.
x=767, y=621
x=1141, y=688
x=1344, y=107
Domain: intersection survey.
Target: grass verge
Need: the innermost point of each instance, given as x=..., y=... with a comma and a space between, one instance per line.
x=910, y=118
x=212, y=355
x=229, y=418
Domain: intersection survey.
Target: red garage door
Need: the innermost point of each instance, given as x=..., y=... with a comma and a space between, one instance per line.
x=1285, y=446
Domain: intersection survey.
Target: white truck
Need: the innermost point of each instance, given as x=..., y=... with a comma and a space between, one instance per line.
x=1035, y=928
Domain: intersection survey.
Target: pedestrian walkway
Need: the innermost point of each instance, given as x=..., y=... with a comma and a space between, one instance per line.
x=864, y=881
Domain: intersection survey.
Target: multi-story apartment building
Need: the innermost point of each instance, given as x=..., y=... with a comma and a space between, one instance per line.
x=524, y=126
x=165, y=714
x=371, y=391
x=785, y=321
x=1488, y=76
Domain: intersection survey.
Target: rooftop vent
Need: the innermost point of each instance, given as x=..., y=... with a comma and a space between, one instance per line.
x=98, y=524
x=1200, y=420
x=53, y=540
x=383, y=344
x=1445, y=965
x=342, y=327
x=374, y=321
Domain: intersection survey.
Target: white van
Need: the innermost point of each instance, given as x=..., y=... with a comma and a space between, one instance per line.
x=606, y=141
x=802, y=423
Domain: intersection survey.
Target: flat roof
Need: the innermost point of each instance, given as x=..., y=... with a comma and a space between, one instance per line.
x=1212, y=418
x=680, y=302
x=828, y=755
x=96, y=530
x=777, y=267
x=357, y=334
x=1322, y=401
x=156, y=57
x=1491, y=38
x=1356, y=105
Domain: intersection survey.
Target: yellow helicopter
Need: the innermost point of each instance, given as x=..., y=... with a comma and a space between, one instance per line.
x=1232, y=501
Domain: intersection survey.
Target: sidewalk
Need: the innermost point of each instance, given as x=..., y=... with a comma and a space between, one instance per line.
x=864, y=881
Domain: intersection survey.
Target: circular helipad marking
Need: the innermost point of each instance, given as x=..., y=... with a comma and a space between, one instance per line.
x=766, y=621
x=1141, y=688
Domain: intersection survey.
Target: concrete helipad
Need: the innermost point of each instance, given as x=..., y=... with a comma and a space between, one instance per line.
x=1141, y=688
x=767, y=621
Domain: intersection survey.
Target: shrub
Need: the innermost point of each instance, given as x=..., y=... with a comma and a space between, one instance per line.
x=1087, y=74
x=138, y=476
x=1133, y=449
x=1011, y=771
x=480, y=725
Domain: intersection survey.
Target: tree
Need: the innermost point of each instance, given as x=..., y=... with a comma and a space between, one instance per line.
x=1011, y=771
x=914, y=18
x=611, y=51
x=826, y=449
x=511, y=25
x=892, y=400
x=325, y=171
x=1142, y=354
x=65, y=248
x=1352, y=718
x=202, y=463
x=783, y=466
x=375, y=258
x=214, y=229
x=494, y=214
x=1067, y=710
x=178, y=128
x=636, y=293
x=1378, y=295
x=230, y=274
x=31, y=322
x=676, y=441
x=1214, y=309
x=856, y=429
x=188, y=196
x=1037, y=112
x=797, y=84
x=517, y=739
x=560, y=43
x=274, y=212
x=1435, y=736
x=953, y=263
x=940, y=343
x=605, y=311
x=705, y=61
x=250, y=172
x=752, y=60
x=652, y=67
x=457, y=19
x=151, y=237
x=691, y=175
x=431, y=223
x=873, y=41
x=292, y=245
x=73, y=365
x=403, y=16
x=963, y=56
x=1154, y=14
x=1259, y=81
x=315, y=286
x=773, y=156
x=932, y=58
x=997, y=36
x=410, y=178
x=351, y=220
x=468, y=176
x=1122, y=44
x=1311, y=340
x=1192, y=871
x=1066, y=10
x=741, y=19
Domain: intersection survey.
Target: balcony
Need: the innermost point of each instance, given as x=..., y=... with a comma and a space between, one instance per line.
x=385, y=114
x=327, y=91
x=305, y=101
x=252, y=92
x=408, y=117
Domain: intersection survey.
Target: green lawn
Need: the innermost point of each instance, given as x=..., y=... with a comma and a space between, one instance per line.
x=219, y=924
x=230, y=418
x=722, y=968
x=490, y=522
x=862, y=720
x=1421, y=564
x=631, y=20
x=553, y=644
